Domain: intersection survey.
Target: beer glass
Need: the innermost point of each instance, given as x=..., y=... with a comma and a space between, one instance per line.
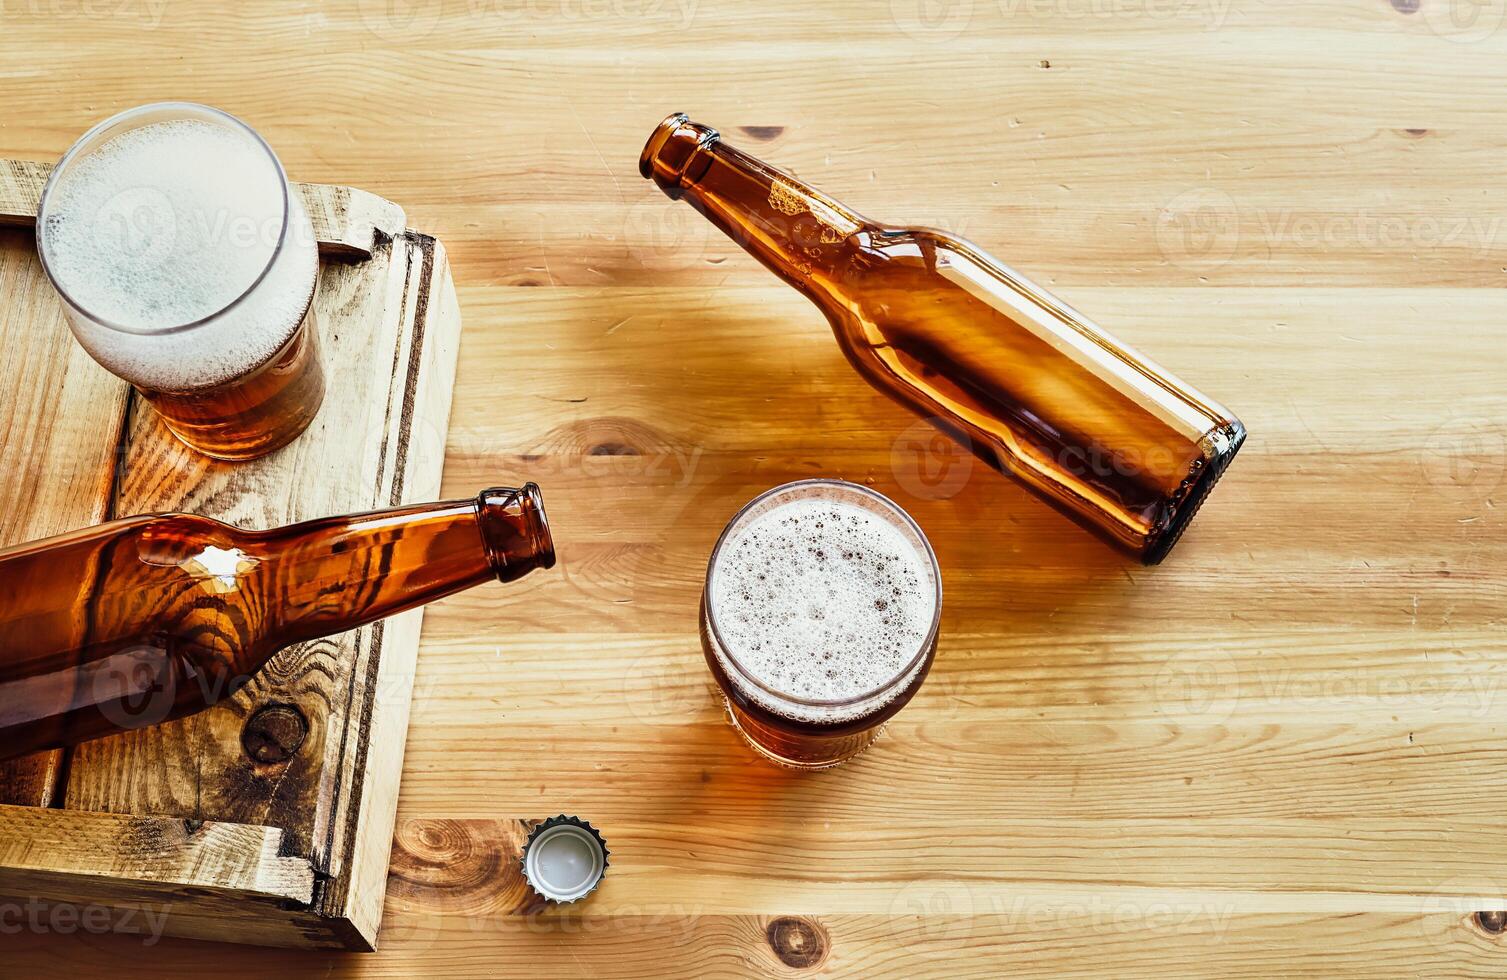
x=819, y=619
x=187, y=267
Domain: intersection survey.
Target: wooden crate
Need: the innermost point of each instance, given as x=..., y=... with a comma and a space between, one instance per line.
x=268, y=818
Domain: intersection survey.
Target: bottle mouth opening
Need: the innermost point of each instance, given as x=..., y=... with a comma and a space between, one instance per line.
x=671, y=148
x=539, y=524
x=657, y=140
x=515, y=530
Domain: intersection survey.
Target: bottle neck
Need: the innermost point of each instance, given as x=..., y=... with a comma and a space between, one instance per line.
x=799, y=233
x=340, y=573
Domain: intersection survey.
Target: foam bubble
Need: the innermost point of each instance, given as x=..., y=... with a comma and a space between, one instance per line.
x=169, y=223
x=822, y=599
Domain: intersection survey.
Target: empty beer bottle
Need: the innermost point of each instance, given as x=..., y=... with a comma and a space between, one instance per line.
x=149, y=618
x=1029, y=384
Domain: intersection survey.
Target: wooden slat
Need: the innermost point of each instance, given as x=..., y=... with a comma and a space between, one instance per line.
x=60, y=420
x=142, y=874
x=242, y=862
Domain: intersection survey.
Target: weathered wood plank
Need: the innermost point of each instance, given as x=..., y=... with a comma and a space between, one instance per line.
x=147, y=874
x=60, y=421
x=293, y=749
x=241, y=861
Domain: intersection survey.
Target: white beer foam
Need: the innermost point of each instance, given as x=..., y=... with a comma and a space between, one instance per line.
x=822, y=599
x=165, y=225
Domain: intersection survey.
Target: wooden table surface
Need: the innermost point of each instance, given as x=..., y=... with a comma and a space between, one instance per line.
x=1279, y=753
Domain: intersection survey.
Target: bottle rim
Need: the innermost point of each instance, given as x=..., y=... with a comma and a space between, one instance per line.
x=126, y=121
x=886, y=505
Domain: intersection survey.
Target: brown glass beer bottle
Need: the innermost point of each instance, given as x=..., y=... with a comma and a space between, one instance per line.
x=149, y=618
x=1029, y=384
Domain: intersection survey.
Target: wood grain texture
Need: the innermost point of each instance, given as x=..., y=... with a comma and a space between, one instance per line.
x=312, y=746
x=144, y=875
x=1276, y=755
x=58, y=433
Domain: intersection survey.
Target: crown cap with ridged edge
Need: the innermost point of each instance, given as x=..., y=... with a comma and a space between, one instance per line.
x=564, y=859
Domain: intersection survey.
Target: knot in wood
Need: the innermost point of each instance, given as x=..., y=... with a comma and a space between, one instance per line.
x=799, y=943
x=274, y=733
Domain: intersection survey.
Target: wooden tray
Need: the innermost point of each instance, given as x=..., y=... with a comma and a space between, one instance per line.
x=268, y=818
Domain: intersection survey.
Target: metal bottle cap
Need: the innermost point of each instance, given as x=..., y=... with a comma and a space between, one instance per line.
x=564, y=858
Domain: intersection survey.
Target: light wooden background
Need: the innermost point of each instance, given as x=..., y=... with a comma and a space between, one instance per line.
x=1280, y=753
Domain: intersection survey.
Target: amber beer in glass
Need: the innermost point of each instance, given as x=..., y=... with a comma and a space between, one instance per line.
x=187, y=267
x=150, y=618
x=819, y=619
x=1032, y=386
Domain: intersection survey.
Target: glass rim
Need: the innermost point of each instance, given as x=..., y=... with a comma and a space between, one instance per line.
x=184, y=110
x=886, y=504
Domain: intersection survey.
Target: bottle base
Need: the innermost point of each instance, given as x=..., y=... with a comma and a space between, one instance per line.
x=1220, y=448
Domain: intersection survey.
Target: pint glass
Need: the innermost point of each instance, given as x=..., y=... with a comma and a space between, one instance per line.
x=819, y=619
x=187, y=267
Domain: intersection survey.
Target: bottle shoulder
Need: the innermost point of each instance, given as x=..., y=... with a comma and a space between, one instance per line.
x=923, y=244
x=885, y=264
